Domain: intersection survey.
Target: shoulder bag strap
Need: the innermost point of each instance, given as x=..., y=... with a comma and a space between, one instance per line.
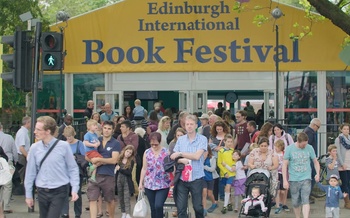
x=77, y=151
x=47, y=153
x=220, y=143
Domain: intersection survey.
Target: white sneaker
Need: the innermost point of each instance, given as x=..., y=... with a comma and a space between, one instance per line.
x=123, y=215
x=128, y=216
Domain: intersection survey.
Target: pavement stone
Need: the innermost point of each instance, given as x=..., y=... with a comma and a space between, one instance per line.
x=317, y=210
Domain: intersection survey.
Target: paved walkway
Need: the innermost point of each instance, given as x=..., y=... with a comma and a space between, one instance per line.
x=21, y=211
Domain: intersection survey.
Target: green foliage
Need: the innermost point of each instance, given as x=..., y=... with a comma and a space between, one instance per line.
x=10, y=11
x=13, y=102
x=260, y=19
x=299, y=31
x=72, y=7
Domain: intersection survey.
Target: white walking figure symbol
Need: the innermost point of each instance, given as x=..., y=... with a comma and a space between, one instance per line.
x=51, y=60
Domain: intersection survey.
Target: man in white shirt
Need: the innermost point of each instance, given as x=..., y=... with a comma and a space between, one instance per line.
x=8, y=145
x=22, y=143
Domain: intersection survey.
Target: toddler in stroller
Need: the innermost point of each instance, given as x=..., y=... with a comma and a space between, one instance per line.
x=258, y=198
x=254, y=199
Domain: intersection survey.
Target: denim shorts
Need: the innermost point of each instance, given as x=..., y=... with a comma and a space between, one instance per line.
x=227, y=181
x=300, y=192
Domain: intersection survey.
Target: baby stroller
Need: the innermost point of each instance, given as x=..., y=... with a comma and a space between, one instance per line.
x=257, y=178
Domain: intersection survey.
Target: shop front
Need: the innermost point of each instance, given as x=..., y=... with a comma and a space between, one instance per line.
x=187, y=53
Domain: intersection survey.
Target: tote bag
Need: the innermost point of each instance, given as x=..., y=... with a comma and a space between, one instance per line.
x=141, y=207
x=5, y=173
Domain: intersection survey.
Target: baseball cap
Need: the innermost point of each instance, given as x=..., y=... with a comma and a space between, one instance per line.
x=334, y=176
x=204, y=116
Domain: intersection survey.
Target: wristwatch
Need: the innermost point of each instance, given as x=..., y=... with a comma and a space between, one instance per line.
x=180, y=154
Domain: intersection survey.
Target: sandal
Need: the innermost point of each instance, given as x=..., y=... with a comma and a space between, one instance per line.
x=107, y=214
x=99, y=215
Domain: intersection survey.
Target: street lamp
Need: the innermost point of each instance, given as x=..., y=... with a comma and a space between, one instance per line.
x=276, y=14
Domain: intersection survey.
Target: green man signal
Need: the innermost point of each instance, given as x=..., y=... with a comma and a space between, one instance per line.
x=52, y=48
x=50, y=60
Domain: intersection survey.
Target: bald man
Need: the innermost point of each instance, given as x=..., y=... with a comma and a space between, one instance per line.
x=108, y=114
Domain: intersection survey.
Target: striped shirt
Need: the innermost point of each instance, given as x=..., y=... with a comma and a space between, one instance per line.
x=184, y=144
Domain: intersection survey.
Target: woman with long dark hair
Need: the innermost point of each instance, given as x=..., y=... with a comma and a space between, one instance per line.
x=128, y=113
x=343, y=151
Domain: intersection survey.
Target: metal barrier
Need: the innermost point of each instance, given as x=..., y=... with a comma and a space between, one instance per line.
x=79, y=125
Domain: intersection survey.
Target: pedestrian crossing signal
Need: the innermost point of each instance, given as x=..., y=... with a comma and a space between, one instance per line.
x=52, y=48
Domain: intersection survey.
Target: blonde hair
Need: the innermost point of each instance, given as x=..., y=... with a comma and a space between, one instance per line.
x=228, y=136
x=90, y=123
x=69, y=131
x=252, y=146
x=137, y=102
x=280, y=144
x=162, y=122
x=331, y=147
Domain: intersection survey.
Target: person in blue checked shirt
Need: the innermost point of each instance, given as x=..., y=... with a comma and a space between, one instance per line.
x=58, y=171
x=190, y=148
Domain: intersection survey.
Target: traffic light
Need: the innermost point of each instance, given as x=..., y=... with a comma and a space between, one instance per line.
x=20, y=62
x=52, y=48
x=26, y=65
x=9, y=59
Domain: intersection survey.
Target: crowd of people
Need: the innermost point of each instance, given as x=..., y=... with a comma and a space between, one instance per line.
x=210, y=156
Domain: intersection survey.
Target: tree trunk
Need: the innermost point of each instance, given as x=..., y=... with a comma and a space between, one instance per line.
x=333, y=13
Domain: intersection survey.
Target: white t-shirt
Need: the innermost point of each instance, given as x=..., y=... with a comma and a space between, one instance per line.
x=240, y=173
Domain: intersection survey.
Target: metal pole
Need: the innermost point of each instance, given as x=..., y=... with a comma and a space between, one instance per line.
x=277, y=77
x=60, y=121
x=35, y=87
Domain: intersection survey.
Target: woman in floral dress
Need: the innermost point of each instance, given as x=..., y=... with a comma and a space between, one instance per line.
x=154, y=180
x=264, y=158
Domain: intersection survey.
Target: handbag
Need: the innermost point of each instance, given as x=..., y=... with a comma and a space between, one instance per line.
x=5, y=173
x=142, y=206
x=80, y=159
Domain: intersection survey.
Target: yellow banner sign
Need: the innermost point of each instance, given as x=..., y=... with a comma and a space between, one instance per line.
x=206, y=35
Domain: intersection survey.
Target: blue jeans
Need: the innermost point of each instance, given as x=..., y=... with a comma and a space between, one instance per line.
x=156, y=200
x=345, y=179
x=183, y=189
x=313, y=174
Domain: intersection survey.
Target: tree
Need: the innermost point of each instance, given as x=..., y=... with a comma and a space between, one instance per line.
x=10, y=11
x=13, y=107
x=72, y=7
x=336, y=11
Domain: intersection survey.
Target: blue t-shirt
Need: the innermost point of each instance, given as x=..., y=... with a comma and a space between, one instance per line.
x=92, y=138
x=208, y=176
x=299, y=167
x=111, y=146
x=139, y=111
x=80, y=145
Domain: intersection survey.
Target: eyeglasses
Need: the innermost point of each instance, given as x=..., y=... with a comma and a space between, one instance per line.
x=317, y=125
